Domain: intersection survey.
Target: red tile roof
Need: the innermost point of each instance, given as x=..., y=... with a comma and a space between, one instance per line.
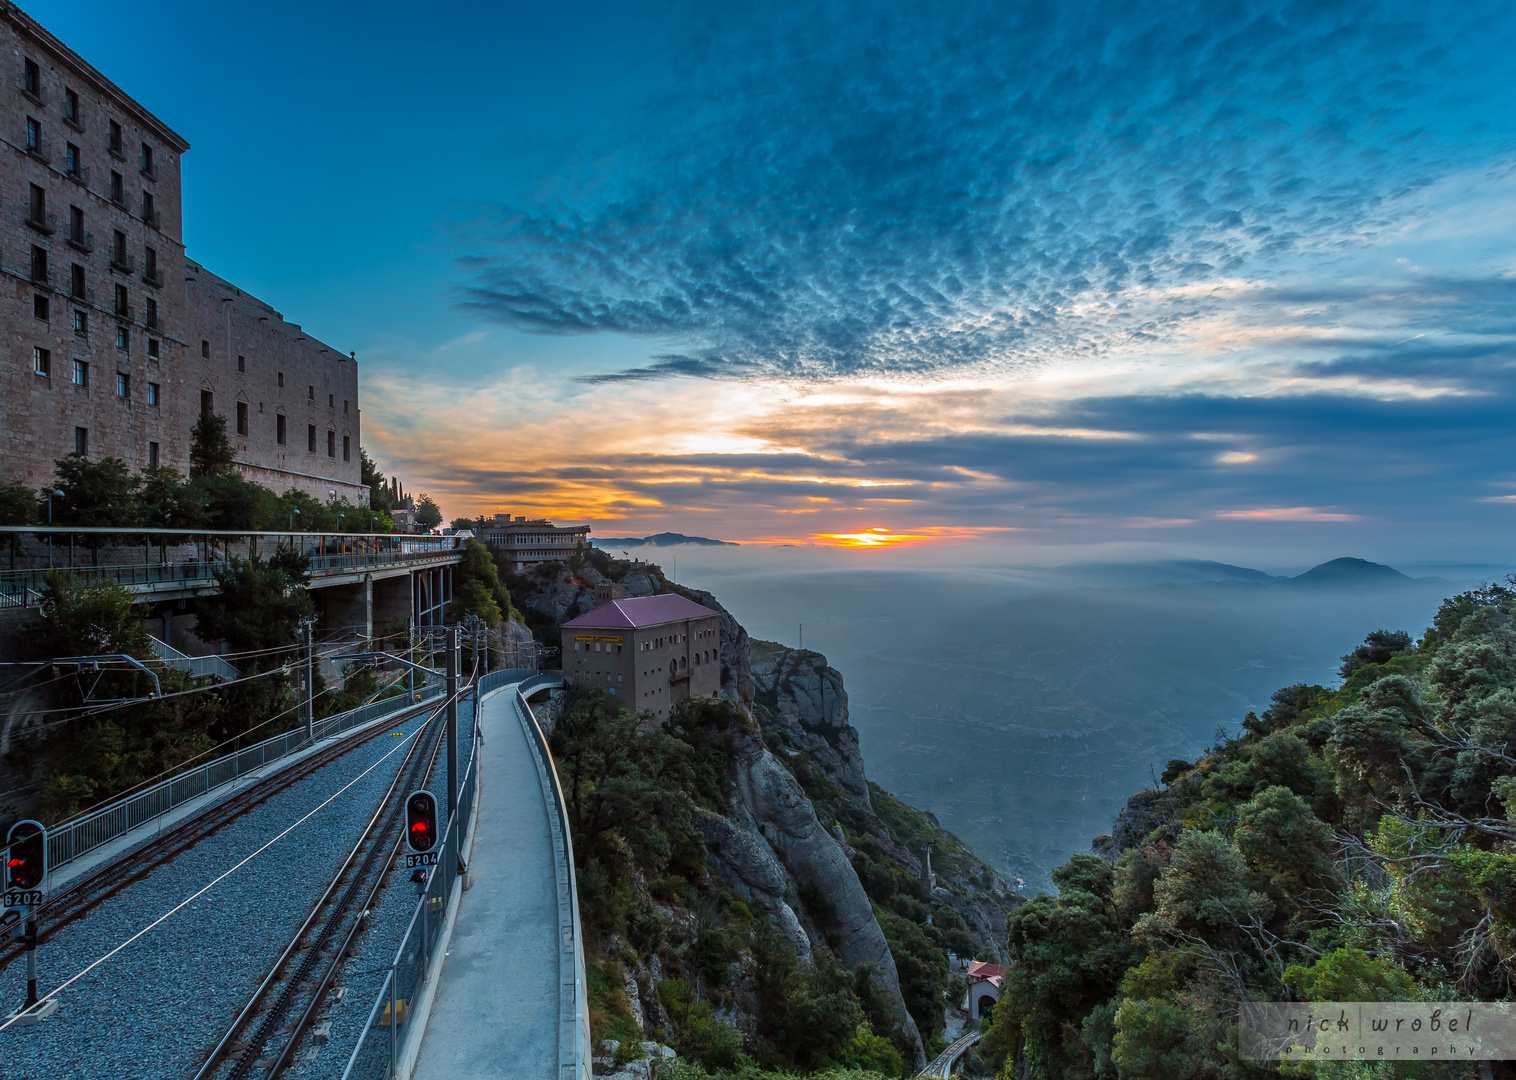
x=981, y=970
x=640, y=611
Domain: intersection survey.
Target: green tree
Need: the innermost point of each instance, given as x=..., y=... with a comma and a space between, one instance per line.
x=479, y=590
x=90, y=617
x=373, y=479
x=210, y=451
x=1350, y=974
x=18, y=506
x=96, y=494
x=428, y=513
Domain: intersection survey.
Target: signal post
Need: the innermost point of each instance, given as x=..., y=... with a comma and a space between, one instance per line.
x=25, y=871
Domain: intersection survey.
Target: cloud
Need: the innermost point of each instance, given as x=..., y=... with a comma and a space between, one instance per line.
x=843, y=189
x=1287, y=513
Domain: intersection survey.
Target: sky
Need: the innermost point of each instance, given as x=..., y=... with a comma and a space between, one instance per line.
x=1193, y=277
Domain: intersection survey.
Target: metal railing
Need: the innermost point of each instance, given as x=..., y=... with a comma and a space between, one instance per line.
x=198, y=667
x=81, y=835
x=411, y=969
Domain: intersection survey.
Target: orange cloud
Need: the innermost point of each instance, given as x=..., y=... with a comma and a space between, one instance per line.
x=1286, y=513
x=878, y=537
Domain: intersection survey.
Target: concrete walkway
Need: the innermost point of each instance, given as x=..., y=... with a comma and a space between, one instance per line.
x=496, y=1011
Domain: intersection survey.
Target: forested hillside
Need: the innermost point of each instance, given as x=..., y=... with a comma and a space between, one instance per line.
x=1351, y=843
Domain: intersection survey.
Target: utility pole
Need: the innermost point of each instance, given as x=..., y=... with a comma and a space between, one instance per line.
x=452, y=720
x=410, y=653
x=307, y=694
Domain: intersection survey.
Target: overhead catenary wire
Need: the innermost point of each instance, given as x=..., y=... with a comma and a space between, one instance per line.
x=55, y=991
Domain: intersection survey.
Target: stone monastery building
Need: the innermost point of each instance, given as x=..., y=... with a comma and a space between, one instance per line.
x=112, y=342
x=651, y=650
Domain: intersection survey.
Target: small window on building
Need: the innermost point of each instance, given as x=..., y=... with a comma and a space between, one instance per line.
x=147, y=206
x=118, y=247
x=205, y=349
x=123, y=337
x=33, y=135
x=76, y=282
x=81, y=373
x=33, y=78
x=279, y=429
x=115, y=136
x=42, y=361
x=150, y=307
x=331, y=401
x=39, y=263
x=71, y=105
x=347, y=448
x=241, y=418
x=311, y=437
x=281, y=379
x=241, y=363
x=76, y=224
x=154, y=394
x=311, y=392
x=152, y=455
x=123, y=302
x=81, y=322
x=207, y=403
x=38, y=205
x=81, y=441
x=71, y=163
x=331, y=444
x=153, y=346
x=40, y=307
x=147, y=159
x=150, y=263
x=118, y=188
x=123, y=385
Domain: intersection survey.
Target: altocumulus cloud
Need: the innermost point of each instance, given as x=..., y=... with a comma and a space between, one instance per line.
x=907, y=190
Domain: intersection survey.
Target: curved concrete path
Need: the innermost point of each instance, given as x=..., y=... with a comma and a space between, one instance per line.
x=497, y=1004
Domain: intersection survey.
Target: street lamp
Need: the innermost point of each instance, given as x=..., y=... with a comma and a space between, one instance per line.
x=50, y=496
x=292, y=520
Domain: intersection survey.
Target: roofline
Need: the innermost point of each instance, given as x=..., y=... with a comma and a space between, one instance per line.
x=32, y=28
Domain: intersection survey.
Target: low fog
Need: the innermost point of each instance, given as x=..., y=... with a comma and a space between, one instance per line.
x=1022, y=704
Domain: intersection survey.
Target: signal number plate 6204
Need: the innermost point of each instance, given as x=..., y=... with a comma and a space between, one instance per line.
x=22, y=897
x=420, y=858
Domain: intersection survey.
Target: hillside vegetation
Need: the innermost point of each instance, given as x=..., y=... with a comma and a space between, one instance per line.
x=1353, y=843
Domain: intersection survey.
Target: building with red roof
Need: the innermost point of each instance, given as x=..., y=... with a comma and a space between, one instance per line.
x=651, y=650
x=984, y=988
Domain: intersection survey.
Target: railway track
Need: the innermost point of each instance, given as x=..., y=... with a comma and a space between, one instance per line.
x=262, y=1041
x=78, y=900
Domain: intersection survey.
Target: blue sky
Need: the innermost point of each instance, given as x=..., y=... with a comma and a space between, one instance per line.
x=1196, y=275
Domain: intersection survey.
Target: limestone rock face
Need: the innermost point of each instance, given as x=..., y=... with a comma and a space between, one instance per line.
x=805, y=699
x=747, y=863
x=1137, y=818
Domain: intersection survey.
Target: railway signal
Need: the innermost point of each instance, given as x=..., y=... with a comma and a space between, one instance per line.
x=25, y=864
x=421, y=829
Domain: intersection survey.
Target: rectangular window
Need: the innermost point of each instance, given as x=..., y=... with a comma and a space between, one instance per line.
x=344, y=406
x=311, y=437
x=71, y=106
x=81, y=322
x=147, y=206
x=154, y=392
x=347, y=448
x=76, y=224
x=38, y=206
x=33, y=136
x=42, y=361
x=150, y=307
x=39, y=264
x=39, y=306
x=331, y=401
x=241, y=418
x=152, y=455
x=241, y=363
x=33, y=78
x=331, y=444
x=115, y=137
x=207, y=403
x=71, y=163
x=279, y=429
x=147, y=159
x=281, y=379
x=123, y=302
x=123, y=337
x=81, y=441
x=118, y=247
x=123, y=385
x=152, y=347
x=118, y=189
x=310, y=392
x=76, y=282
x=205, y=349
x=81, y=373
x=150, y=264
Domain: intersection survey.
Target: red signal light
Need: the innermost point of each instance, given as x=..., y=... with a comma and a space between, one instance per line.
x=27, y=864
x=421, y=816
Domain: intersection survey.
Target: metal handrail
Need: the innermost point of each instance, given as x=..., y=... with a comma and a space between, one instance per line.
x=78, y=836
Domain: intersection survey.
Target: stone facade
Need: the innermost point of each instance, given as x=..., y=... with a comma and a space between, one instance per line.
x=102, y=318
x=524, y=543
x=651, y=650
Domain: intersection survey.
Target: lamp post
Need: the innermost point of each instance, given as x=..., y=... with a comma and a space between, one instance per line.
x=292, y=521
x=50, y=496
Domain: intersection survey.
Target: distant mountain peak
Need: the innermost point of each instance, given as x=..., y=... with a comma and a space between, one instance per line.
x=663, y=539
x=1350, y=571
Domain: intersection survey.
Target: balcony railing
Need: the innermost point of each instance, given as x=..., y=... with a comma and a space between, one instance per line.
x=123, y=261
x=80, y=240
x=43, y=222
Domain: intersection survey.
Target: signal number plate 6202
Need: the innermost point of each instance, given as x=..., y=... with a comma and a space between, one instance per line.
x=22, y=897
x=420, y=858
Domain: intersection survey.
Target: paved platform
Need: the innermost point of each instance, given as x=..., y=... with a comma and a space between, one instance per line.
x=496, y=1010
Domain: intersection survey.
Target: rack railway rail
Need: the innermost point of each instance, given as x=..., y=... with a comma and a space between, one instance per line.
x=137, y=862
x=263, y=1039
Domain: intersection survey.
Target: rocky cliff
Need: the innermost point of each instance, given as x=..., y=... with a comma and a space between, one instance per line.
x=802, y=836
